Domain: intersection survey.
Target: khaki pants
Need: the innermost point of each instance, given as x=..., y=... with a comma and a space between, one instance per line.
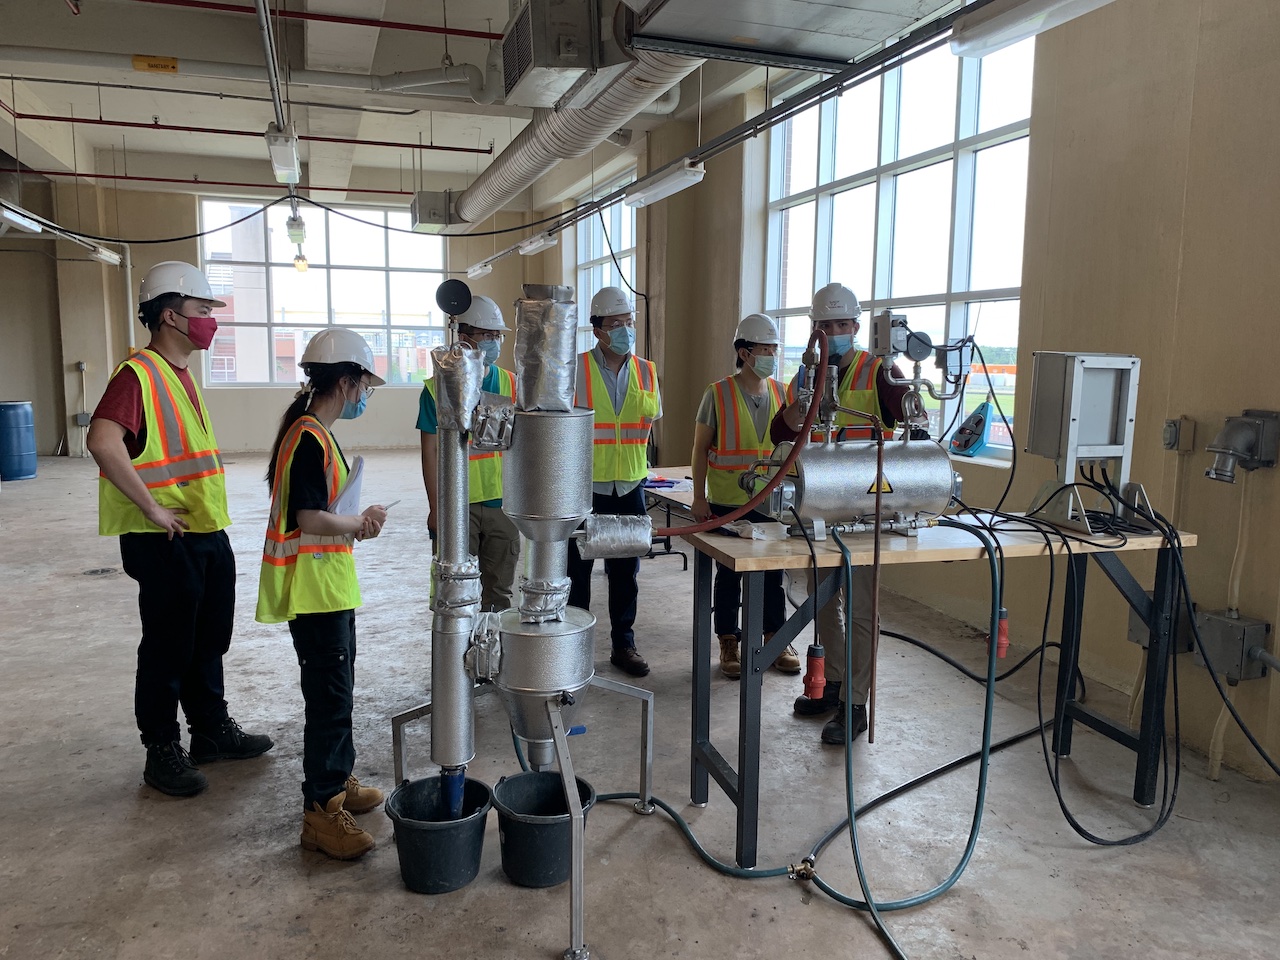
x=831, y=627
x=495, y=542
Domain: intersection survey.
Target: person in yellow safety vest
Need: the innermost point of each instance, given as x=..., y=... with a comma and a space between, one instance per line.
x=732, y=431
x=864, y=385
x=308, y=579
x=492, y=537
x=161, y=490
x=622, y=389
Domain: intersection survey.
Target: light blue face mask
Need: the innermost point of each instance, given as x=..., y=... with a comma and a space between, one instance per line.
x=351, y=410
x=622, y=340
x=764, y=366
x=838, y=344
x=489, y=350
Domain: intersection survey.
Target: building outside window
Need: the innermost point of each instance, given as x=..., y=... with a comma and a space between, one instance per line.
x=376, y=281
x=614, y=227
x=911, y=190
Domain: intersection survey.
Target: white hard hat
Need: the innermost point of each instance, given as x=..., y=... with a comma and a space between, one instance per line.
x=175, y=276
x=340, y=345
x=835, y=301
x=757, y=328
x=483, y=314
x=610, y=302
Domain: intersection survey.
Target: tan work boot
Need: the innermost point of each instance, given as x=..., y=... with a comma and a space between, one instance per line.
x=730, y=665
x=788, y=660
x=360, y=799
x=333, y=831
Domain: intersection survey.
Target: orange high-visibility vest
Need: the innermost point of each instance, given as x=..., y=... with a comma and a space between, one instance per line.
x=857, y=392
x=484, y=468
x=736, y=445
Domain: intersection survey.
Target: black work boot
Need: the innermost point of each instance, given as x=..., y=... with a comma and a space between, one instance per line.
x=170, y=770
x=227, y=742
x=834, y=731
x=830, y=699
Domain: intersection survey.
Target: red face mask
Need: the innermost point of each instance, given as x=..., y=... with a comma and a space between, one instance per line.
x=200, y=330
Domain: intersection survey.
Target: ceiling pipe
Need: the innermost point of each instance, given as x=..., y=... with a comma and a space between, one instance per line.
x=330, y=18
x=559, y=135
x=219, y=131
x=194, y=182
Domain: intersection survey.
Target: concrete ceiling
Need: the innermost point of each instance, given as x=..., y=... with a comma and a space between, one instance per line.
x=110, y=88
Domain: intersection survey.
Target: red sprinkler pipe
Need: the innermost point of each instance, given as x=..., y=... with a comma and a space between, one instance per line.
x=206, y=183
x=329, y=18
x=806, y=427
x=138, y=125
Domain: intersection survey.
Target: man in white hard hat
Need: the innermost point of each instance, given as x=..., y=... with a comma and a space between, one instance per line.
x=863, y=385
x=493, y=538
x=622, y=389
x=161, y=490
x=732, y=431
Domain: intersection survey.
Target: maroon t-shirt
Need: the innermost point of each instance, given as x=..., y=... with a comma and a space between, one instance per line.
x=122, y=403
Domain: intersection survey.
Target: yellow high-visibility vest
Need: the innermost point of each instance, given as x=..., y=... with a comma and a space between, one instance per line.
x=484, y=468
x=857, y=392
x=179, y=462
x=621, y=438
x=302, y=573
x=736, y=445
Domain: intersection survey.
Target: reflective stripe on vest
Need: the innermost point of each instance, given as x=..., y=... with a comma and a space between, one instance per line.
x=179, y=463
x=484, y=469
x=858, y=391
x=301, y=572
x=736, y=444
x=621, y=438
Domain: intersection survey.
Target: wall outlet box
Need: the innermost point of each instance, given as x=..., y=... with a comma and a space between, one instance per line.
x=1227, y=641
x=1179, y=435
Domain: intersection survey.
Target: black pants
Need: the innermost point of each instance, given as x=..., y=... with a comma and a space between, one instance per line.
x=726, y=597
x=187, y=601
x=326, y=648
x=623, y=572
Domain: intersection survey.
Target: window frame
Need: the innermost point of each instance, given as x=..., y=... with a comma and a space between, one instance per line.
x=590, y=228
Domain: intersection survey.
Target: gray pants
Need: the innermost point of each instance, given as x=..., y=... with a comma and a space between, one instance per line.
x=493, y=539
x=831, y=627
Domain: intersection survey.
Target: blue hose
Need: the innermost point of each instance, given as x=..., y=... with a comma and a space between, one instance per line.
x=451, y=783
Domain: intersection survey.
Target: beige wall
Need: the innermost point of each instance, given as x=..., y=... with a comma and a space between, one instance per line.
x=1151, y=230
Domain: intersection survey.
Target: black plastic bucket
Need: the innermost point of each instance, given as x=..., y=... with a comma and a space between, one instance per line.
x=534, y=832
x=438, y=855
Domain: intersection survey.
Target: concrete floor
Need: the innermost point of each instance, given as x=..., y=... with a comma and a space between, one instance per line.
x=98, y=865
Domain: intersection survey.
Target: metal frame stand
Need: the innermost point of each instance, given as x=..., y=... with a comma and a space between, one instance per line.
x=577, y=949
x=666, y=550
x=742, y=785
x=644, y=805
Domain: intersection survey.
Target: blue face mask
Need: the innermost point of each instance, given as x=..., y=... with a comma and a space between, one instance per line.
x=622, y=340
x=350, y=409
x=764, y=366
x=838, y=344
x=489, y=351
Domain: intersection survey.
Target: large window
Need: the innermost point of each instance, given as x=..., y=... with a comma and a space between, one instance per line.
x=911, y=189
x=613, y=228
x=359, y=275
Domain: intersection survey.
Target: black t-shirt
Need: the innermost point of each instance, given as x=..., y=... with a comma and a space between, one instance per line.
x=307, y=487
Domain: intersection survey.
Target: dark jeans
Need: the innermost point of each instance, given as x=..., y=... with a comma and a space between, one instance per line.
x=726, y=598
x=187, y=601
x=623, y=573
x=326, y=647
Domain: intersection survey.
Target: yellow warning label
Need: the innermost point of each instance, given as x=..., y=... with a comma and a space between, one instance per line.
x=146, y=64
x=881, y=486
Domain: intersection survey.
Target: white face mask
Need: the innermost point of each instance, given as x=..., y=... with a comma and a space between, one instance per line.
x=764, y=366
x=489, y=351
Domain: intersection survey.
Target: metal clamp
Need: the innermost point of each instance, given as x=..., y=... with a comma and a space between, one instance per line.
x=491, y=428
x=542, y=601
x=456, y=587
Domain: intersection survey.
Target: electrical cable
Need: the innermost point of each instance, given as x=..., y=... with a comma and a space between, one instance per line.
x=57, y=228
x=1013, y=466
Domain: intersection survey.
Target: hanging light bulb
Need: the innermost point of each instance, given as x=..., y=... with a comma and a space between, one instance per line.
x=300, y=261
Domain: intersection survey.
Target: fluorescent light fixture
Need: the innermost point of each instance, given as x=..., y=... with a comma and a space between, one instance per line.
x=109, y=257
x=478, y=270
x=295, y=229
x=282, y=146
x=647, y=191
x=1005, y=22
x=537, y=243
x=12, y=218
x=300, y=263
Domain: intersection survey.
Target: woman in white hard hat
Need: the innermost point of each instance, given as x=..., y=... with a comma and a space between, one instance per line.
x=309, y=580
x=731, y=432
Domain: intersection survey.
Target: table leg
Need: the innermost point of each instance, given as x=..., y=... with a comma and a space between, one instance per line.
x=1159, y=650
x=1069, y=655
x=701, y=713
x=753, y=667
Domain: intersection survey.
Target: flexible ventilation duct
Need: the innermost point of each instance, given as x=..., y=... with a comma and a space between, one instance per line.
x=562, y=134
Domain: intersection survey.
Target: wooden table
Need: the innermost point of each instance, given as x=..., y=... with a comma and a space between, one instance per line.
x=753, y=558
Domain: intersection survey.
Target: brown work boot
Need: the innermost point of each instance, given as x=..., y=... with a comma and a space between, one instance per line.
x=333, y=831
x=788, y=660
x=730, y=664
x=360, y=799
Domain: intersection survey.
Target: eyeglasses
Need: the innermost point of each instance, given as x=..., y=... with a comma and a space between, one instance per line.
x=486, y=335
x=764, y=350
x=629, y=322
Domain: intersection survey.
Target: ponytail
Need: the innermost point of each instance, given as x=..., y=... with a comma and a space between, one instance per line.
x=323, y=379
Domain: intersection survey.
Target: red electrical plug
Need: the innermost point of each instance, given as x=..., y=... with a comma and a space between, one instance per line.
x=815, y=674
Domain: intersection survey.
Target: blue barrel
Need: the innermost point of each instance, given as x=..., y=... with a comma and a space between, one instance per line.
x=17, y=440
